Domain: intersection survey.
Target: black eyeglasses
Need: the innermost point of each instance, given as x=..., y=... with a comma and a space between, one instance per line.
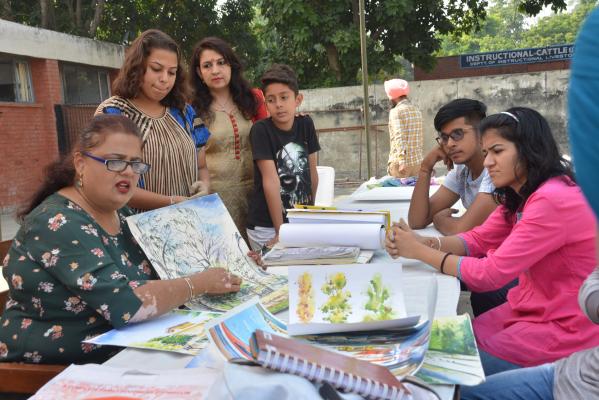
x=116, y=165
x=456, y=135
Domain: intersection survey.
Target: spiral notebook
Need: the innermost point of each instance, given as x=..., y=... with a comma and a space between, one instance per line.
x=316, y=364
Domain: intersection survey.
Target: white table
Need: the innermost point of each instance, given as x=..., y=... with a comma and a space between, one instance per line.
x=417, y=277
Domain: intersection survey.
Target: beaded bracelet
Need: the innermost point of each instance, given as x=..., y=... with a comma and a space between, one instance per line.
x=439, y=241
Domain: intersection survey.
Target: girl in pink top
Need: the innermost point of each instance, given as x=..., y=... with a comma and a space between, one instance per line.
x=543, y=233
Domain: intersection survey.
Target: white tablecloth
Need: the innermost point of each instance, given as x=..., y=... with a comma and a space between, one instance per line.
x=417, y=278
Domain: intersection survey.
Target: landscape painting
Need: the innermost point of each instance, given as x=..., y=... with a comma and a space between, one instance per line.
x=197, y=234
x=453, y=356
x=178, y=331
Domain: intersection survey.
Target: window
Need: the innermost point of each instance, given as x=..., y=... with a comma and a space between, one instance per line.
x=84, y=85
x=15, y=80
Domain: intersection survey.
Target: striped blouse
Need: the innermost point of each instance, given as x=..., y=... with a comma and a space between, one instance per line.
x=167, y=146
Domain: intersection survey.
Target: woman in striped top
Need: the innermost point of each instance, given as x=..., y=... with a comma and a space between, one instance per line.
x=229, y=106
x=150, y=90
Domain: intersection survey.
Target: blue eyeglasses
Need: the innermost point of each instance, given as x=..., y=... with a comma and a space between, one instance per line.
x=116, y=165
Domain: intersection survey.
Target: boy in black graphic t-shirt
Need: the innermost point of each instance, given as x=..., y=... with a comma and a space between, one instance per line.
x=284, y=149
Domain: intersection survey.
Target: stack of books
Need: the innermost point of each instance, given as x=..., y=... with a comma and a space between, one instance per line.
x=325, y=235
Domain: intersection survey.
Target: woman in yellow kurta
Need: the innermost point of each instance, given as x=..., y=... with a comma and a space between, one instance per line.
x=224, y=100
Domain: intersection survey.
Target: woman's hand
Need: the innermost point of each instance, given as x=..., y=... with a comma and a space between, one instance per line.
x=257, y=258
x=198, y=189
x=216, y=281
x=401, y=241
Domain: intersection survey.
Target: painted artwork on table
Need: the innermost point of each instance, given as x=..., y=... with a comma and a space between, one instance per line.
x=178, y=331
x=231, y=333
x=453, y=355
x=197, y=234
x=335, y=298
x=402, y=352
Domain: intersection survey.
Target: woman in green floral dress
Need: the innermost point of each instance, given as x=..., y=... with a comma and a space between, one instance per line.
x=74, y=270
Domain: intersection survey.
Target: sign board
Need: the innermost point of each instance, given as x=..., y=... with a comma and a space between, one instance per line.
x=520, y=56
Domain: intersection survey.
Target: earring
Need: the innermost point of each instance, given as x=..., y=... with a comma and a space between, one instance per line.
x=79, y=182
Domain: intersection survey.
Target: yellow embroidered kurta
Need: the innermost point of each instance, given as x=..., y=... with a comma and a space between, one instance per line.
x=229, y=159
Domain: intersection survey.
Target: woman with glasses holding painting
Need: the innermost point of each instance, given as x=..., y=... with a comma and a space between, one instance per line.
x=459, y=148
x=228, y=105
x=74, y=270
x=543, y=233
x=151, y=90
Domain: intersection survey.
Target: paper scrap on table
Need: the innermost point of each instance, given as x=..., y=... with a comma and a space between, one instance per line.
x=92, y=381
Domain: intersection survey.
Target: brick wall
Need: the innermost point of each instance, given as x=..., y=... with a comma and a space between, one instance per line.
x=449, y=67
x=28, y=136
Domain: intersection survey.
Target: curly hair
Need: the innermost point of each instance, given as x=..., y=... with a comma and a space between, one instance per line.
x=239, y=87
x=61, y=173
x=537, y=153
x=129, y=80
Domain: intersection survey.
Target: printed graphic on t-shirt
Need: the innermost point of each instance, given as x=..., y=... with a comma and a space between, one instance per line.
x=294, y=173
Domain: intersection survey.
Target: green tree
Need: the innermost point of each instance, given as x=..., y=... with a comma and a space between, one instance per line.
x=558, y=28
x=321, y=38
x=187, y=21
x=504, y=28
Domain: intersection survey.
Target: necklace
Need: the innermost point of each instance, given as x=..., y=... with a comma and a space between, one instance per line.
x=93, y=214
x=223, y=106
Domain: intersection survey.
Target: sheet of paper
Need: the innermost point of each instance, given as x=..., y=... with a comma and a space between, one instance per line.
x=364, y=236
x=93, y=381
x=178, y=331
x=453, y=355
x=231, y=332
x=197, y=234
x=400, y=193
x=342, y=298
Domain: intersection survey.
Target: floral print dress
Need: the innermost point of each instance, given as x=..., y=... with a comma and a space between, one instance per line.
x=68, y=281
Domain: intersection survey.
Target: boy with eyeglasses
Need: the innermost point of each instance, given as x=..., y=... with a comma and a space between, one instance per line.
x=460, y=149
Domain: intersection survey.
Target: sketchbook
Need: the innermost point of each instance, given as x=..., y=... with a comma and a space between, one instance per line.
x=364, y=236
x=315, y=216
x=197, y=234
x=345, y=298
x=280, y=255
x=316, y=364
x=178, y=331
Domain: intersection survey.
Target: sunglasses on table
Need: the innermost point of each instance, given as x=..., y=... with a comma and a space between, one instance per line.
x=117, y=165
x=456, y=135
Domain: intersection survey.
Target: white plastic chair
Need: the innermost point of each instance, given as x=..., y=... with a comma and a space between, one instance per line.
x=325, y=194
